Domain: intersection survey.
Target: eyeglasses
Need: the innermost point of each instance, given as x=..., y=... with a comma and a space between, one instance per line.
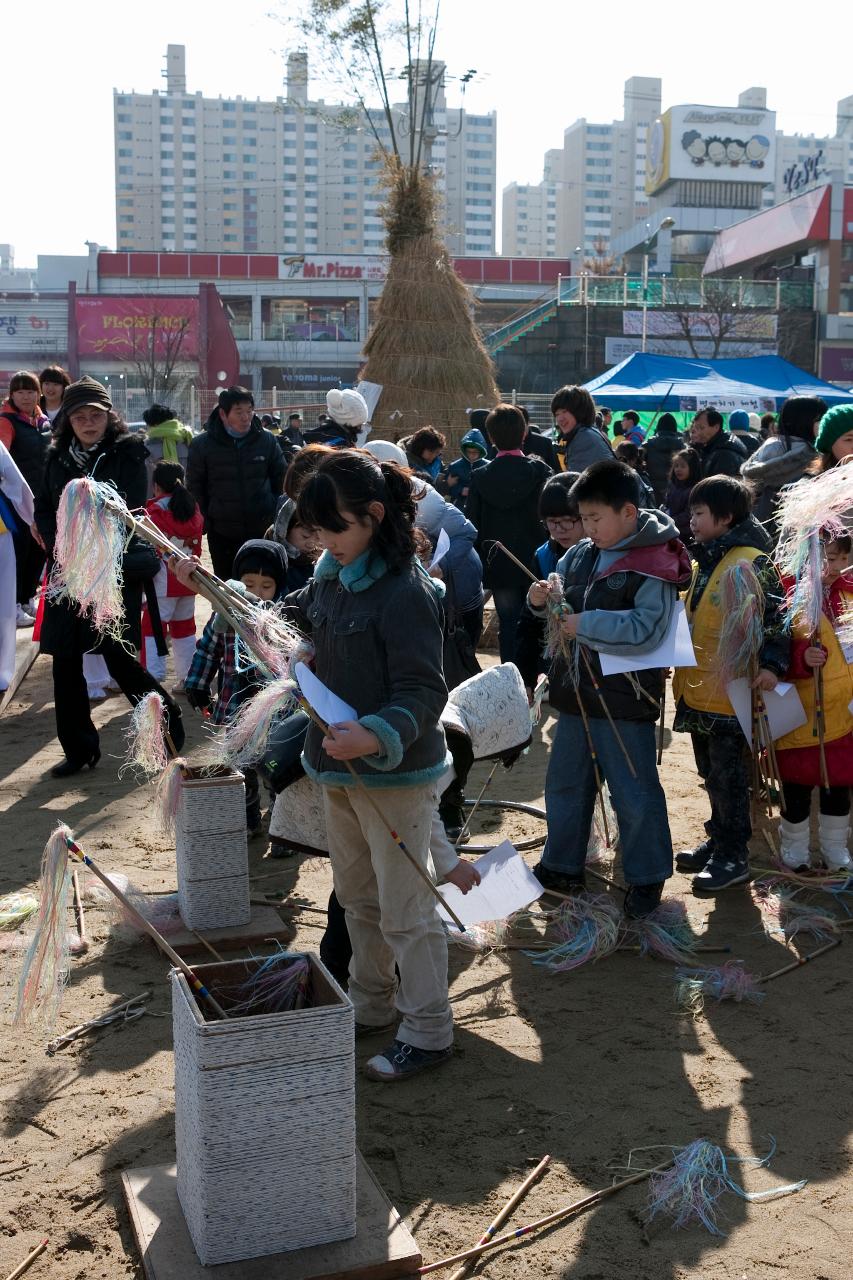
x=563, y=525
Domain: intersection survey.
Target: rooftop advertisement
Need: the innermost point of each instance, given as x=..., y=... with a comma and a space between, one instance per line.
x=726, y=144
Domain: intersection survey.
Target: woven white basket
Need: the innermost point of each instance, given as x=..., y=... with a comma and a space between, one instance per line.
x=299, y=816
x=212, y=855
x=264, y=1120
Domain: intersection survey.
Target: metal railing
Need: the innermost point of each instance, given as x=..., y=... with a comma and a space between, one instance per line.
x=193, y=406
x=680, y=291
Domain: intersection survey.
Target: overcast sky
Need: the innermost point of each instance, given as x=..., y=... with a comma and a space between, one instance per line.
x=541, y=66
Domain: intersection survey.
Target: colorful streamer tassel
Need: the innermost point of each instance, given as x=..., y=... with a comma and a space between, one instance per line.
x=88, y=553
x=788, y=916
x=557, y=643
x=147, y=748
x=588, y=928
x=244, y=740
x=16, y=909
x=279, y=984
x=742, y=609
x=822, y=504
x=728, y=982
x=490, y=935
x=161, y=910
x=667, y=933
x=168, y=795
x=45, y=964
x=272, y=643
x=691, y=1189
x=803, y=568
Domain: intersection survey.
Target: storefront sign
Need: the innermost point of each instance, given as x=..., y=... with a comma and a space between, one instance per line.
x=836, y=365
x=36, y=326
x=124, y=328
x=732, y=144
x=343, y=267
x=799, y=176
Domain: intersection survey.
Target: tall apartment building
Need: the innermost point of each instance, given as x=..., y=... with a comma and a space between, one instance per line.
x=285, y=176
x=593, y=184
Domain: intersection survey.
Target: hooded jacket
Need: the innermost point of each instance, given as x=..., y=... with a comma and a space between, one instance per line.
x=723, y=455
x=463, y=572
x=627, y=595
x=27, y=440
x=503, y=504
x=458, y=474
x=236, y=482
x=167, y=442
x=837, y=677
x=772, y=467
x=659, y=450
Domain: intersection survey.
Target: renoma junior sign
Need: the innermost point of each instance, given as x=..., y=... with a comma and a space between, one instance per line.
x=731, y=144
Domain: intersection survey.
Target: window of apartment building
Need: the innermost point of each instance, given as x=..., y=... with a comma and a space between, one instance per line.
x=472, y=153
x=601, y=129
x=125, y=204
x=229, y=140
x=125, y=168
x=477, y=204
x=350, y=226
x=289, y=126
x=229, y=173
x=124, y=186
x=229, y=106
x=480, y=137
x=310, y=164
x=289, y=223
x=310, y=128
x=190, y=222
x=250, y=142
x=189, y=173
x=597, y=164
x=599, y=146
x=126, y=217
x=229, y=222
x=188, y=155
x=125, y=151
x=124, y=135
x=125, y=234
x=351, y=182
x=122, y=100
x=480, y=186
x=123, y=118
x=168, y=219
x=351, y=242
x=476, y=169
x=478, y=217
x=249, y=175
x=478, y=120
x=229, y=157
x=350, y=164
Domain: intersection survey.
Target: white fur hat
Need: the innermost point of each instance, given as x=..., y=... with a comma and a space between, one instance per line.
x=385, y=451
x=491, y=708
x=754, y=422
x=347, y=408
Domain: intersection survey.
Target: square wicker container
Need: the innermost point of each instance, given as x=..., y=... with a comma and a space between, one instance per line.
x=264, y=1120
x=212, y=857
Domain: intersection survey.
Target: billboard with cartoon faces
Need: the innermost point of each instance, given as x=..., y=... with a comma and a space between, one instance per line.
x=732, y=144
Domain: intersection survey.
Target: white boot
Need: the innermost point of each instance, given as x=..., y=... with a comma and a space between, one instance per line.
x=833, y=841
x=794, y=839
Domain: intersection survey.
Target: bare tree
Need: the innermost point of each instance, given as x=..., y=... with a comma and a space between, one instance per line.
x=708, y=315
x=156, y=353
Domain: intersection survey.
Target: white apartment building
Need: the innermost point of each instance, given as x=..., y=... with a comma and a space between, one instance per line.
x=593, y=184
x=289, y=176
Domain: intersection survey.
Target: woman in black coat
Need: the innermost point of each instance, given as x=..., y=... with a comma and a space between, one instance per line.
x=90, y=439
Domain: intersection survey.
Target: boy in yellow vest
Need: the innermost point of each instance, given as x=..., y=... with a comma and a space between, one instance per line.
x=724, y=532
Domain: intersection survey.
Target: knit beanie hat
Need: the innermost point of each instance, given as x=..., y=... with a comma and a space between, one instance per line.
x=347, y=408
x=739, y=421
x=836, y=422
x=385, y=451
x=754, y=422
x=258, y=555
x=86, y=393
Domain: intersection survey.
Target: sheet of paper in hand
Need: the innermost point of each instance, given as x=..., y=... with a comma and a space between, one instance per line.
x=785, y=712
x=675, y=650
x=507, y=884
x=328, y=705
x=442, y=546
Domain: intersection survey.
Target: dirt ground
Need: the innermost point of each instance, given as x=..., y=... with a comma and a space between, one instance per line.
x=586, y=1066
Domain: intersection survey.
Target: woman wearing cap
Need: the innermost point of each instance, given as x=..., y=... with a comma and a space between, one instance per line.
x=784, y=458
x=91, y=440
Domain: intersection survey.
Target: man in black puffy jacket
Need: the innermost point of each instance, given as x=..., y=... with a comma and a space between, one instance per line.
x=235, y=471
x=720, y=454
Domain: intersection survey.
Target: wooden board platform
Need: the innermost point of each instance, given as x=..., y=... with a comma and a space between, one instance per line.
x=265, y=923
x=383, y=1248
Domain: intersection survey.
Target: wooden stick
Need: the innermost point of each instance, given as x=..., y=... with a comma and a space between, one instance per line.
x=78, y=911
x=501, y=1218
x=204, y=942
x=102, y=1020
x=139, y=919
x=359, y=782
x=821, y=726
x=464, y=830
x=801, y=960
x=29, y=1260
x=599, y=784
x=515, y=560
x=661, y=724
x=577, y=1207
x=605, y=708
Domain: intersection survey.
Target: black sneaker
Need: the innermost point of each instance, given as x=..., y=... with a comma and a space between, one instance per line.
x=281, y=849
x=695, y=859
x=560, y=881
x=642, y=899
x=400, y=1061
x=720, y=874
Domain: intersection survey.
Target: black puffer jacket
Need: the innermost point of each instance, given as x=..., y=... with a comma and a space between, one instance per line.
x=120, y=461
x=723, y=455
x=503, y=504
x=236, y=484
x=29, y=445
x=660, y=449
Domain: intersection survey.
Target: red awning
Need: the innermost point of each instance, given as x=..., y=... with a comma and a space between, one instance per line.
x=800, y=221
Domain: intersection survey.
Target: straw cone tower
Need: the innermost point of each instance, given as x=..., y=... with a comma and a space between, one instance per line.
x=424, y=348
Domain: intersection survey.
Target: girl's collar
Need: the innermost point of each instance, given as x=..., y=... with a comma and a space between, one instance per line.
x=355, y=577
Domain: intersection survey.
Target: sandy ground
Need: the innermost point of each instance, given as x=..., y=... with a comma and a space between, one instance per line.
x=585, y=1065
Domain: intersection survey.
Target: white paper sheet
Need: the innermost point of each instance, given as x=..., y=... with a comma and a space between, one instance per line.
x=371, y=392
x=328, y=705
x=675, y=650
x=507, y=884
x=785, y=712
x=442, y=546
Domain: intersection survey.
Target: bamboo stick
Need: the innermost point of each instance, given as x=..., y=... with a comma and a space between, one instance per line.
x=139, y=919
x=661, y=724
x=605, y=708
x=800, y=961
x=468, y=820
x=359, y=782
x=29, y=1260
x=102, y=1020
x=577, y=1207
x=599, y=784
x=501, y=1218
x=78, y=911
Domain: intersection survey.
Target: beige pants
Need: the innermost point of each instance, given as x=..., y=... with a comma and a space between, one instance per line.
x=391, y=914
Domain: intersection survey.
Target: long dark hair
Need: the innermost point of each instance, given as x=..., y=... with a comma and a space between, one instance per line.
x=169, y=476
x=694, y=467
x=63, y=433
x=798, y=416
x=349, y=480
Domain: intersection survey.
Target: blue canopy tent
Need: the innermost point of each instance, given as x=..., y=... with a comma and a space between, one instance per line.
x=668, y=384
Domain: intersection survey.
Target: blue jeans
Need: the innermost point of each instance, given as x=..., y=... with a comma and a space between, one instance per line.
x=509, y=602
x=639, y=803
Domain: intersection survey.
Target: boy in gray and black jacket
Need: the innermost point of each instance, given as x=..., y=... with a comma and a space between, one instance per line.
x=621, y=583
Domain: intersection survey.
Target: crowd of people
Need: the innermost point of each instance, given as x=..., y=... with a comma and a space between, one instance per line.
x=341, y=533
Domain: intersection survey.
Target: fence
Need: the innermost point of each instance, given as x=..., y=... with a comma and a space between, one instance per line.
x=689, y=291
x=194, y=406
